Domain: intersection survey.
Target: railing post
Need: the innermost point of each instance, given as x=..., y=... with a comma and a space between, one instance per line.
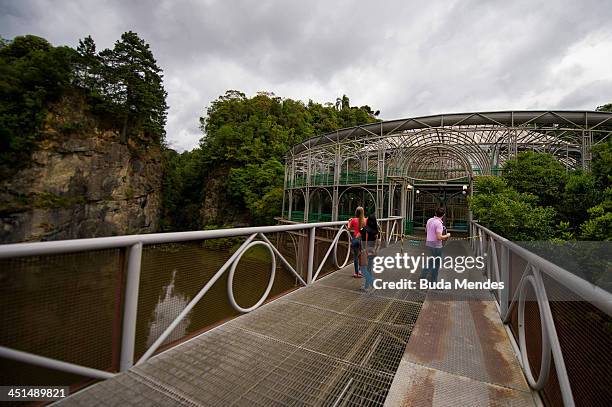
x=128, y=337
x=311, y=246
x=505, y=278
x=388, y=237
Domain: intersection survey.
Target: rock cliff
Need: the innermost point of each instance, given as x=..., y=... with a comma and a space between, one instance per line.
x=81, y=181
x=216, y=209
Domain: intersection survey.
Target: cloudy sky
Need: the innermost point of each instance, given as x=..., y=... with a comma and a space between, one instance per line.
x=404, y=58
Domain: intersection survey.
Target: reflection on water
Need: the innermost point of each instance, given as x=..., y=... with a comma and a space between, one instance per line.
x=165, y=312
x=173, y=274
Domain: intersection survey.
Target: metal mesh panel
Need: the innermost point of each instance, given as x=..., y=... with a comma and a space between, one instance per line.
x=215, y=369
x=295, y=249
x=308, y=378
x=533, y=330
x=287, y=245
x=374, y=345
x=172, y=274
x=287, y=321
x=325, y=297
x=585, y=335
x=324, y=238
x=425, y=387
x=498, y=260
x=66, y=307
x=382, y=309
x=320, y=345
x=342, y=280
x=516, y=268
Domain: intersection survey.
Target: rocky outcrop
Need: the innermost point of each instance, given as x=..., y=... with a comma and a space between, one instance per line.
x=216, y=210
x=81, y=182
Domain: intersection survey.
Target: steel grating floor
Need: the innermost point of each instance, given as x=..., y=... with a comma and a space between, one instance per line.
x=326, y=345
x=459, y=353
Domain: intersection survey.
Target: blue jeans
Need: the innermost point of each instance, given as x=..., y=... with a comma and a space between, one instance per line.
x=355, y=248
x=367, y=272
x=432, y=264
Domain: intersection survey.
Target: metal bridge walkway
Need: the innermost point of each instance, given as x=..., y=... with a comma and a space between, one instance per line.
x=329, y=344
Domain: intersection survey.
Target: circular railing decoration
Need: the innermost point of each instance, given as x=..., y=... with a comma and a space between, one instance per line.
x=546, y=348
x=348, y=251
x=230, y=279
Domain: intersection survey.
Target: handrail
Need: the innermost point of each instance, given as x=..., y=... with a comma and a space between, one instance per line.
x=113, y=242
x=532, y=276
x=133, y=244
x=590, y=292
x=51, y=363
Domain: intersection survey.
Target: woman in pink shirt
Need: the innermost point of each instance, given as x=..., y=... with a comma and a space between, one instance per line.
x=355, y=225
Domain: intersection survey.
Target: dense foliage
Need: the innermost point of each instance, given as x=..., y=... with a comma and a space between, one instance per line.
x=537, y=199
x=245, y=139
x=125, y=83
x=512, y=214
x=182, y=191
x=123, y=87
x=32, y=74
x=541, y=175
x=244, y=142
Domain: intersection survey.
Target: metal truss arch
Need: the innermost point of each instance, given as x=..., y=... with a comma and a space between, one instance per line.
x=441, y=151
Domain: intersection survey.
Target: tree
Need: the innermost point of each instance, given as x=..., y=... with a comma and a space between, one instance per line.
x=512, y=214
x=133, y=88
x=539, y=174
x=599, y=224
x=248, y=137
x=182, y=189
x=604, y=108
x=88, y=67
x=490, y=185
x=602, y=163
x=580, y=192
x=257, y=186
x=123, y=85
x=33, y=73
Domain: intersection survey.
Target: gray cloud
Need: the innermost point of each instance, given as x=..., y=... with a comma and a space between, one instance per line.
x=404, y=58
x=598, y=91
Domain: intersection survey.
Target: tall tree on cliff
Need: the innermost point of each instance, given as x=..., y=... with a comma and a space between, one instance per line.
x=134, y=88
x=88, y=67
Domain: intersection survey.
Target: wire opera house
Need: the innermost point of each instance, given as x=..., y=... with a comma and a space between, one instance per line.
x=408, y=167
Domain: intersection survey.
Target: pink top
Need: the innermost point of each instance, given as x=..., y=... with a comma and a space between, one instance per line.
x=434, y=225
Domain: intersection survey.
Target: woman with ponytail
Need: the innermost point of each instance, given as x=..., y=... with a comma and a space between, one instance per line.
x=370, y=243
x=355, y=225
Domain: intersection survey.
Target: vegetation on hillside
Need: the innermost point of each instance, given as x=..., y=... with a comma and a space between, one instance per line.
x=245, y=139
x=243, y=145
x=537, y=199
x=123, y=88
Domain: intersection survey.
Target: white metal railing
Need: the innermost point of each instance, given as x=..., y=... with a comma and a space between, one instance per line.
x=133, y=244
x=486, y=243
